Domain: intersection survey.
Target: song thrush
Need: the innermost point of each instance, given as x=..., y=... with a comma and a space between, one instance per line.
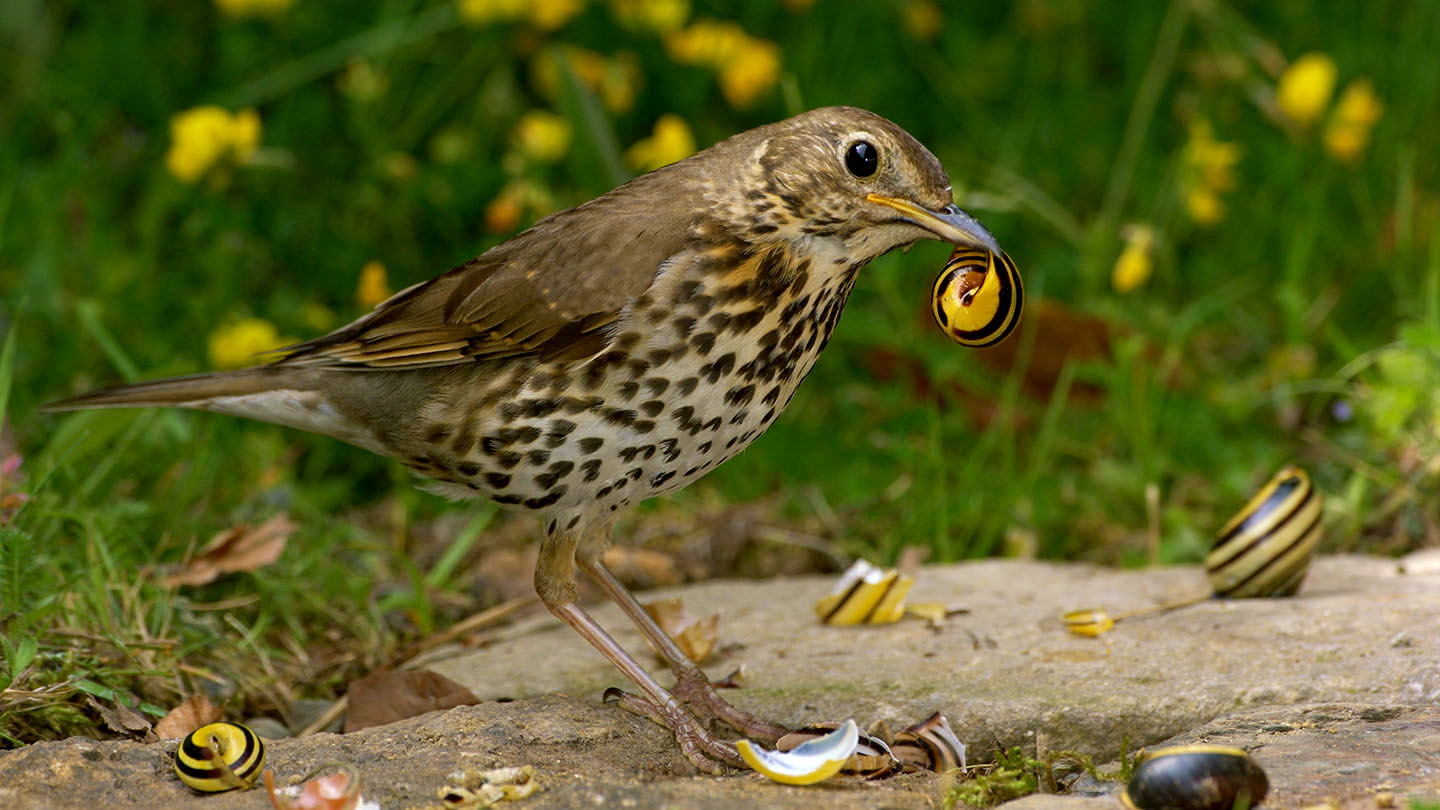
x=613, y=352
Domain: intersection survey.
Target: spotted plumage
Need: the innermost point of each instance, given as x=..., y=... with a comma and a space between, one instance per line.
x=615, y=351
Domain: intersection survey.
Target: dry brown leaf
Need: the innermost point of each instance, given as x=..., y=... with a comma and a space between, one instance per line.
x=122, y=719
x=192, y=713
x=239, y=548
x=643, y=567
x=696, y=637
x=385, y=697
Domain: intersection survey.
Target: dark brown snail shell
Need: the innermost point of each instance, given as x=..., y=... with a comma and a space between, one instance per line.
x=1196, y=777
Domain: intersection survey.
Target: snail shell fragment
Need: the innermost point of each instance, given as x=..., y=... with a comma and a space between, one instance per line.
x=807, y=763
x=865, y=594
x=929, y=745
x=1265, y=550
x=978, y=297
x=872, y=758
x=1196, y=777
x=219, y=757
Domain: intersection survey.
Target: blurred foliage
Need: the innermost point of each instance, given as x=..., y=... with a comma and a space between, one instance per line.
x=1227, y=216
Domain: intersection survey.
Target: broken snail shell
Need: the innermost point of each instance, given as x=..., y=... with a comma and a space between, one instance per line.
x=810, y=762
x=929, y=745
x=1265, y=550
x=1195, y=777
x=872, y=758
x=978, y=297
x=865, y=594
x=219, y=757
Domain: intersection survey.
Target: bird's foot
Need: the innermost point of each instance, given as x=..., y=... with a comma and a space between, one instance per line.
x=692, y=687
x=703, y=750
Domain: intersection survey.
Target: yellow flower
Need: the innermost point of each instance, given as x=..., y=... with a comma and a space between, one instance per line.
x=707, y=42
x=546, y=15
x=1208, y=168
x=514, y=201
x=755, y=69
x=1305, y=87
x=542, y=136
x=659, y=16
x=480, y=12
x=202, y=137
x=374, y=287
x=236, y=345
x=253, y=8
x=615, y=79
x=1204, y=206
x=747, y=66
x=1134, y=265
x=549, y=15
x=923, y=19
x=1348, y=131
x=670, y=142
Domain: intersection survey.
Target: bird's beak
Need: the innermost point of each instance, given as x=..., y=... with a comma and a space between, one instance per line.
x=950, y=224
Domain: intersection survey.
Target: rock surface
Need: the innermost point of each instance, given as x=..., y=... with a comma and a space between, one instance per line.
x=1334, y=692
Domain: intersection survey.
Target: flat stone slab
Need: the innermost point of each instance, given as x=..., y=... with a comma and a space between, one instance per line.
x=1334, y=692
x=1007, y=673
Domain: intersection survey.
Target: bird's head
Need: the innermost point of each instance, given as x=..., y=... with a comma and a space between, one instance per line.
x=847, y=174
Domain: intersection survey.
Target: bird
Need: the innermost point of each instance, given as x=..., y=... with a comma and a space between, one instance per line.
x=613, y=352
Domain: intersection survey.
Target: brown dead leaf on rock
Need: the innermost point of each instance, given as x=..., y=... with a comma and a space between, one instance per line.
x=385, y=697
x=696, y=637
x=240, y=548
x=122, y=719
x=192, y=713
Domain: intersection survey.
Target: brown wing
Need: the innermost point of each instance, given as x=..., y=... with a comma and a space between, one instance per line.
x=549, y=292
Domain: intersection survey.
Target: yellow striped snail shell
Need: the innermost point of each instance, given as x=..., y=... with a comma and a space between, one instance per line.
x=978, y=297
x=1265, y=550
x=872, y=758
x=1195, y=777
x=219, y=757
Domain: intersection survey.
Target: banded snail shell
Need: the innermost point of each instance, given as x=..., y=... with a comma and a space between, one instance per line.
x=929, y=745
x=978, y=297
x=1265, y=549
x=872, y=758
x=1195, y=777
x=219, y=757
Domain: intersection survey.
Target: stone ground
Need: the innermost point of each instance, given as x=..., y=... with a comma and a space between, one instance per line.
x=1335, y=692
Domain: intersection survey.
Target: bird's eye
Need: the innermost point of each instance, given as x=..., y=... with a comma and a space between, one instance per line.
x=862, y=158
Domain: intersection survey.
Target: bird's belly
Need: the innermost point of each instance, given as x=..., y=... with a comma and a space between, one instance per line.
x=652, y=414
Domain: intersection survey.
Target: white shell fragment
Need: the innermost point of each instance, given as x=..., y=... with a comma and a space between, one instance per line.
x=865, y=595
x=808, y=763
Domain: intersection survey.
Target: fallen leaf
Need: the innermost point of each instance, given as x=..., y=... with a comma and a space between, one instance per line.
x=643, y=567
x=239, y=548
x=385, y=697
x=122, y=719
x=192, y=713
x=696, y=637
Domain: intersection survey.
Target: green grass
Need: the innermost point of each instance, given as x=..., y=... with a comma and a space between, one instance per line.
x=1319, y=290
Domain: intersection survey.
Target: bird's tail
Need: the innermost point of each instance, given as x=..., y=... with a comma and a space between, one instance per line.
x=194, y=391
x=297, y=398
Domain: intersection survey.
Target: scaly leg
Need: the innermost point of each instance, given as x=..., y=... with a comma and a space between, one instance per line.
x=555, y=583
x=691, y=685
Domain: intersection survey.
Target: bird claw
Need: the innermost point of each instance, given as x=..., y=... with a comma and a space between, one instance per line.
x=699, y=694
x=705, y=752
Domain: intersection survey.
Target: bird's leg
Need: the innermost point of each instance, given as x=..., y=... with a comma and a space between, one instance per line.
x=555, y=583
x=691, y=685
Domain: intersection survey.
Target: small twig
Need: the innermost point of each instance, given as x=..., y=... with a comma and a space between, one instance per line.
x=464, y=627
x=771, y=534
x=331, y=715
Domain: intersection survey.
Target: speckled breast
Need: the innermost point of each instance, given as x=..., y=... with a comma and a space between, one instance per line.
x=699, y=367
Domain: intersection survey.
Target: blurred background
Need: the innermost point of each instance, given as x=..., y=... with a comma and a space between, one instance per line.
x=1227, y=217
